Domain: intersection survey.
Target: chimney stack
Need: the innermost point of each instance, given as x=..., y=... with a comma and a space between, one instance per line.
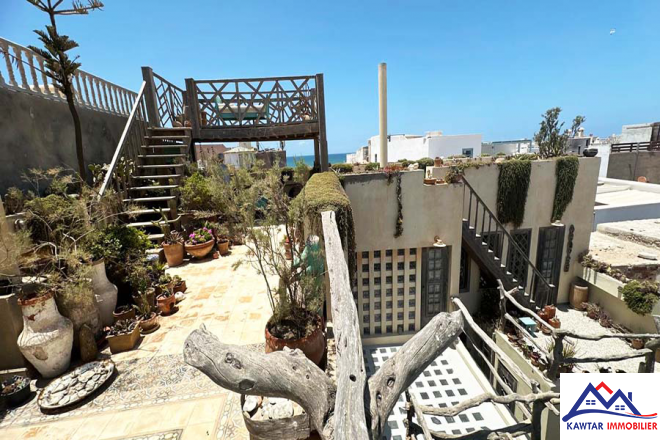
x=382, y=113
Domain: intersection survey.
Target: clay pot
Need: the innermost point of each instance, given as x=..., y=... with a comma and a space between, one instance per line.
x=579, y=295
x=554, y=322
x=313, y=346
x=181, y=287
x=104, y=291
x=173, y=254
x=544, y=315
x=149, y=325
x=216, y=255
x=80, y=307
x=127, y=314
x=166, y=304
x=47, y=337
x=550, y=310
x=223, y=246
x=199, y=250
x=637, y=344
x=437, y=162
x=429, y=181
x=124, y=342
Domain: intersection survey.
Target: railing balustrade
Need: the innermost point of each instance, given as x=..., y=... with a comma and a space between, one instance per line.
x=24, y=70
x=505, y=247
x=167, y=102
x=629, y=147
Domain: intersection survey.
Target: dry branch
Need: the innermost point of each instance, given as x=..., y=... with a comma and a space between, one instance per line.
x=487, y=397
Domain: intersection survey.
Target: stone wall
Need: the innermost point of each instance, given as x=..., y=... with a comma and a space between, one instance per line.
x=36, y=132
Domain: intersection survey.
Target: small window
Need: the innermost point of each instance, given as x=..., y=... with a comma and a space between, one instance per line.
x=388, y=253
x=399, y=328
x=377, y=305
x=365, y=294
x=377, y=293
x=413, y=251
x=399, y=316
x=365, y=268
x=412, y=291
x=411, y=278
x=366, y=330
x=377, y=317
x=388, y=266
x=399, y=279
x=388, y=304
x=389, y=329
x=399, y=303
x=377, y=281
x=378, y=330
x=376, y=254
x=388, y=293
x=400, y=291
x=411, y=303
x=365, y=307
x=400, y=266
x=365, y=254
x=400, y=252
x=377, y=267
x=365, y=318
x=413, y=265
x=411, y=315
x=388, y=317
x=365, y=281
x=411, y=327
x=388, y=280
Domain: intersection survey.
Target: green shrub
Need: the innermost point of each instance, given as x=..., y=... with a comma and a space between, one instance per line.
x=49, y=217
x=512, y=187
x=527, y=156
x=566, y=172
x=14, y=201
x=425, y=162
x=117, y=243
x=196, y=193
x=372, y=166
x=640, y=296
x=342, y=168
x=484, y=155
x=501, y=154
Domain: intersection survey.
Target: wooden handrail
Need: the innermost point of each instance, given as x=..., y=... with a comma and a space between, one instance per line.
x=124, y=140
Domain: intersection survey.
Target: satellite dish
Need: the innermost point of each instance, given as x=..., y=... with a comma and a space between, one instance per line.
x=612, y=31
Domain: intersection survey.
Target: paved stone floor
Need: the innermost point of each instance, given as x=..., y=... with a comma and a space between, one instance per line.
x=154, y=394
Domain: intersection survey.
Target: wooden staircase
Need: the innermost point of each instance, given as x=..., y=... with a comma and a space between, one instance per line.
x=497, y=252
x=153, y=187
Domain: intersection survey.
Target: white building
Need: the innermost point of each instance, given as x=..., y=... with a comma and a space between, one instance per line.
x=516, y=146
x=413, y=147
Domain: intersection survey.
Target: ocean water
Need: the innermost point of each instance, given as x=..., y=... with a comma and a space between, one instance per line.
x=309, y=160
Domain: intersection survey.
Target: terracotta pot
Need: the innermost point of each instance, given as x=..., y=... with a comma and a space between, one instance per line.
x=130, y=314
x=637, y=344
x=200, y=250
x=124, y=342
x=579, y=295
x=47, y=337
x=554, y=322
x=313, y=346
x=173, y=254
x=166, y=304
x=104, y=291
x=550, y=310
x=543, y=315
x=437, y=162
x=181, y=287
x=223, y=246
x=149, y=325
x=429, y=181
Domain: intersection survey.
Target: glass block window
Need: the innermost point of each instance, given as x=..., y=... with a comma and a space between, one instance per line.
x=411, y=278
x=411, y=315
x=377, y=317
x=411, y=327
x=413, y=251
x=388, y=304
x=367, y=331
x=388, y=252
x=388, y=317
x=365, y=318
x=412, y=290
x=388, y=293
x=365, y=254
x=378, y=330
x=365, y=281
x=365, y=268
x=413, y=265
x=400, y=252
x=400, y=291
x=377, y=267
x=400, y=265
x=377, y=305
x=388, y=266
x=400, y=279
x=399, y=303
x=388, y=280
x=365, y=307
x=376, y=254
x=377, y=293
x=399, y=316
x=377, y=281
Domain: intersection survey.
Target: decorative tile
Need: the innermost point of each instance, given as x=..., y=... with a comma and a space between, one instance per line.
x=167, y=435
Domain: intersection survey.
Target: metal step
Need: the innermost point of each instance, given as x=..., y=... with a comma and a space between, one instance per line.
x=152, y=187
x=150, y=199
x=146, y=224
x=172, y=137
x=161, y=156
x=169, y=165
x=166, y=129
x=164, y=146
x=157, y=176
x=137, y=212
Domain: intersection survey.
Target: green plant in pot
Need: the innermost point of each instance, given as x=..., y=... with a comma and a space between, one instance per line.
x=222, y=234
x=200, y=242
x=123, y=335
x=147, y=317
x=166, y=301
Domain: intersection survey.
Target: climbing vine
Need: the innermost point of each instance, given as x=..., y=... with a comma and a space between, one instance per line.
x=512, y=187
x=566, y=172
x=399, y=220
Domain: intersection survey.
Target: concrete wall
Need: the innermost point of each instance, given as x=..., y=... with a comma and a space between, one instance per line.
x=635, y=133
x=630, y=166
x=36, y=132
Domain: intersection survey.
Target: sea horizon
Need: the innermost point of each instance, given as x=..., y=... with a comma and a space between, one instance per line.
x=309, y=159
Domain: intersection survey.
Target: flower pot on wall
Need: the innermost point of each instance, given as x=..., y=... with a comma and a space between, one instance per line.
x=47, y=337
x=173, y=254
x=637, y=344
x=437, y=162
x=313, y=345
x=104, y=291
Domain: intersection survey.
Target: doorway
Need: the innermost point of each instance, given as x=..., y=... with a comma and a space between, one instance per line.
x=435, y=271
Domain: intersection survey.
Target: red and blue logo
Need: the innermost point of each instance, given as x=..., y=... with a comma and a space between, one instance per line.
x=609, y=405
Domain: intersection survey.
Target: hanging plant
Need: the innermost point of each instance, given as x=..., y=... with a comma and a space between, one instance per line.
x=512, y=186
x=640, y=296
x=566, y=172
x=399, y=219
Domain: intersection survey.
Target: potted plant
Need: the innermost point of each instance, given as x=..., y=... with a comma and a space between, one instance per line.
x=165, y=282
x=179, y=284
x=554, y=322
x=147, y=318
x=104, y=291
x=173, y=248
x=637, y=343
x=437, y=162
x=15, y=390
x=123, y=335
x=166, y=301
x=428, y=180
x=550, y=311
x=593, y=311
x=222, y=238
x=124, y=312
x=200, y=242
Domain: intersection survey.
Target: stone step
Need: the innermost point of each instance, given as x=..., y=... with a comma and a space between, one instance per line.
x=152, y=187
x=156, y=237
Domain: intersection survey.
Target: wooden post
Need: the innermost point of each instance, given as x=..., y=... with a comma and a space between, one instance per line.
x=557, y=356
x=323, y=141
x=537, y=412
x=191, y=97
x=150, y=97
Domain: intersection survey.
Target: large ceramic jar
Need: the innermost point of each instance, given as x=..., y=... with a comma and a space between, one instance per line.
x=47, y=337
x=104, y=291
x=78, y=303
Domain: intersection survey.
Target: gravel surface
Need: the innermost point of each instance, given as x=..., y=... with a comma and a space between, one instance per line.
x=577, y=321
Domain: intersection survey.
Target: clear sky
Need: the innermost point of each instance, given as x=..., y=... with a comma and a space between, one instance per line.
x=460, y=66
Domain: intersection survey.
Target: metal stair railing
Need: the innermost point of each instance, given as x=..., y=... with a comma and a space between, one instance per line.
x=505, y=247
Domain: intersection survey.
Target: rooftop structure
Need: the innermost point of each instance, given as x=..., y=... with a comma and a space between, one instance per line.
x=618, y=200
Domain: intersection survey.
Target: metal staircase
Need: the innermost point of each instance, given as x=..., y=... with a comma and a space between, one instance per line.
x=495, y=250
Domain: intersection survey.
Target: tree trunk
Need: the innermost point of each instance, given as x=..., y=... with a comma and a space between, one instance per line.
x=68, y=92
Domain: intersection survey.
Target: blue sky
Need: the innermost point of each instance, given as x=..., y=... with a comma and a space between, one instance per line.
x=490, y=67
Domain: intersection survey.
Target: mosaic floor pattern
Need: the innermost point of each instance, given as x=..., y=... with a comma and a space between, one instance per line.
x=446, y=382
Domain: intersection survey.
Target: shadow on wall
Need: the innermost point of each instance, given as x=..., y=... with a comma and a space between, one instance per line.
x=36, y=132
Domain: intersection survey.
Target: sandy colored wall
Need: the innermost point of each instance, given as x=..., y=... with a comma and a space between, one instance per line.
x=36, y=132
x=630, y=166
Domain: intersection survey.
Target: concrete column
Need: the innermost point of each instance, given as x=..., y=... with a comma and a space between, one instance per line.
x=382, y=111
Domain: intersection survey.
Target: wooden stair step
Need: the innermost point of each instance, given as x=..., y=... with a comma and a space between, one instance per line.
x=150, y=199
x=152, y=187
x=173, y=137
x=145, y=224
x=147, y=211
x=161, y=156
x=164, y=146
x=156, y=237
x=169, y=128
x=158, y=176
x=168, y=165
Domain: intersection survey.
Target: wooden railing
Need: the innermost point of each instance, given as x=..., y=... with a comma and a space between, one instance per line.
x=128, y=147
x=254, y=101
x=635, y=146
x=506, y=248
x=166, y=102
x=556, y=357
x=23, y=70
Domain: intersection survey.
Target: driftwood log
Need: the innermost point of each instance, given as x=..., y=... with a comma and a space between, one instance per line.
x=354, y=407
